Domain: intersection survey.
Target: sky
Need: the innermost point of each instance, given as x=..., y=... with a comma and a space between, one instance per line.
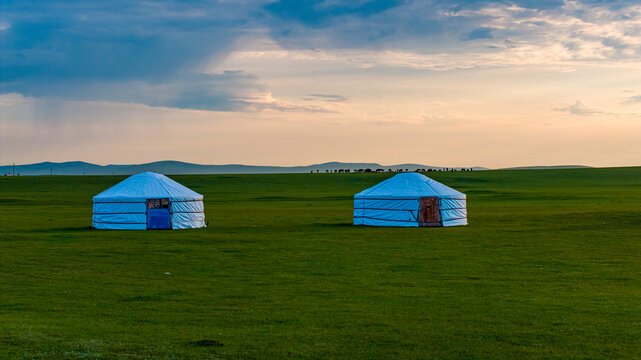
x=296, y=82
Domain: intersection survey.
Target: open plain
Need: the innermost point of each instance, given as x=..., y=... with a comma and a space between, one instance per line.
x=548, y=267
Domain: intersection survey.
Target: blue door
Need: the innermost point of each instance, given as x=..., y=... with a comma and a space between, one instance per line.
x=158, y=216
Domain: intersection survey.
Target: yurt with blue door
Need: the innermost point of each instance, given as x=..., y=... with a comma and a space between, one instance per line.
x=410, y=199
x=148, y=201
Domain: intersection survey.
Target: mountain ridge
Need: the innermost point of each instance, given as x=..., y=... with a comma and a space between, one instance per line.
x=174, y=167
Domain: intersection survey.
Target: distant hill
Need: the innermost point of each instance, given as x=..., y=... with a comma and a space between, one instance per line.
x=547, y=167
x=178, y=167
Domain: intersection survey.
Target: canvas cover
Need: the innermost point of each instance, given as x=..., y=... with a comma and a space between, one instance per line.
x=396, y=202
x=123, y=206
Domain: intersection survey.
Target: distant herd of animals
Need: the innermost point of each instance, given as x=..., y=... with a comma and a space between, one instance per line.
x=388, y=170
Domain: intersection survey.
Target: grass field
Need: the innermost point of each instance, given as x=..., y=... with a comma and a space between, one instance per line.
x=549, y=267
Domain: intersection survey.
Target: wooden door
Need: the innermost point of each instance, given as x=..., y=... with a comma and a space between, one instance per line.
x=430, y=212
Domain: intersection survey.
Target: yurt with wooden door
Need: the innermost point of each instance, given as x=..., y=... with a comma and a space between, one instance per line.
x=148, y=201
x=412, y=200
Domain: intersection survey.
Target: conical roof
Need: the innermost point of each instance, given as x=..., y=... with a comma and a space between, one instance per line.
x=147, y=185
x=409, y=186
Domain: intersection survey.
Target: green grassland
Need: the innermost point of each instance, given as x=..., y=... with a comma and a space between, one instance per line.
x=549, y=267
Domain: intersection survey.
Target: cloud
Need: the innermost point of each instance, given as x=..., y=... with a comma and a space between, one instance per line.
x=98, y=51
x=156, y=53
x=187, y=91
x=633, y=100
x=147, y=53
x=267, y=102
x=223, y=91
x=480, y=33
x=579, y=109
x=317, y=13
x=94, y=40
x=560, y=36
x=325, y=97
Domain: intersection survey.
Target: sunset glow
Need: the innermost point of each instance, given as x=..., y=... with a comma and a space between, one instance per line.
x=467, y=83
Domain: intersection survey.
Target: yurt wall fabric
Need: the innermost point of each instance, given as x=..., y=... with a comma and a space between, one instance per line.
x=124, y=206
x=397, y=202
x=187, y=214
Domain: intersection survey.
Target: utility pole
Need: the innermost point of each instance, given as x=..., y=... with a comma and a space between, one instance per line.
x=14, y=169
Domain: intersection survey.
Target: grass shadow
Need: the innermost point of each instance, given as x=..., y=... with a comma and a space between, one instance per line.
x=206, y=343
x=67, y=229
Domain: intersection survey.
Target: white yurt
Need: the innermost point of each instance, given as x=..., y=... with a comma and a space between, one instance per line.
x=148, y=201
x=410, y=199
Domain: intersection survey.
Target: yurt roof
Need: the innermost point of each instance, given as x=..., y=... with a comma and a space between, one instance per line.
x=147, y=185
x=409, y=186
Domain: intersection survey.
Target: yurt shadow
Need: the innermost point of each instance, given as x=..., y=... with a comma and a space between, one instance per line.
x=66, y=229
x=334, y=225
